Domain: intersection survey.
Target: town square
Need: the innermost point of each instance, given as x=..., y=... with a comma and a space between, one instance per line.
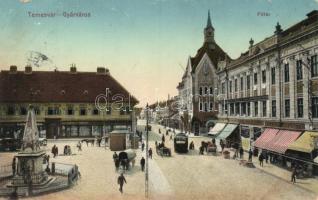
x=159, y=99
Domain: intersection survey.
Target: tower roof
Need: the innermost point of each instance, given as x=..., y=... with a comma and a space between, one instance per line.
x=209, y=23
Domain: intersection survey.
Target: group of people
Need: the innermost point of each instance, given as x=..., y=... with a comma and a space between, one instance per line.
x=67, y=150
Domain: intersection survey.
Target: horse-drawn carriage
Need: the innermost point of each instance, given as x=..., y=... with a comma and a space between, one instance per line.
x=126, y=157
x=163, y=151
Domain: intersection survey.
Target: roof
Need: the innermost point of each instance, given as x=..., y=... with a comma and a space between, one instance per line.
x=305, y=143
x=58, y=86
x=268, y=43
x=215, y=54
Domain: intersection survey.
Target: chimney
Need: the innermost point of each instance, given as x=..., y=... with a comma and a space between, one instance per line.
x=107, y=71
x=101, y=70
x=73, y=68
x=28, y=69
x=13, y=69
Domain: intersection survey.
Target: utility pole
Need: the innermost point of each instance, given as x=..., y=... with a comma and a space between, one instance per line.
x=147, y=153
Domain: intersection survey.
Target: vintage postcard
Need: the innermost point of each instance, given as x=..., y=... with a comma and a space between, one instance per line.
x=159, y=99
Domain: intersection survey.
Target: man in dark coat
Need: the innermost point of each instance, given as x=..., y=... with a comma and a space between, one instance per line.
x=121, y=180
x=163, y=139
x=293, y=175
x=150, y=153
x=261, y=159
x=241, y=153
x=142, y=163
x=142, y=146
x=250, y=155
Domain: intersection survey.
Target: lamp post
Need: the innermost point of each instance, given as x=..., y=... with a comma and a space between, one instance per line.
x=147, y=153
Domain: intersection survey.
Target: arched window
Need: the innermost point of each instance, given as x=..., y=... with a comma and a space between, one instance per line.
x=211, y=90
x=200, y=91
x=205, y=90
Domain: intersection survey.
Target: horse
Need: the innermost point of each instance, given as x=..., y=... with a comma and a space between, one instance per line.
x=88, y=141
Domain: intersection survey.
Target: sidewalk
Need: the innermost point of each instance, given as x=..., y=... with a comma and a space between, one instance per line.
x=310, y=184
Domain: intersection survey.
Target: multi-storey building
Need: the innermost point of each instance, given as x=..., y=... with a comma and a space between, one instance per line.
x=275, y=82
x=67, y=103
x=198, y=86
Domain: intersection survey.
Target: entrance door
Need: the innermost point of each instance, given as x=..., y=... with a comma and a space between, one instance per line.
x=196, y=127
x=52, y=128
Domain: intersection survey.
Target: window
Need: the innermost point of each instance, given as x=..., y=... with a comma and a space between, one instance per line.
x=205, y=107
x=264, y=76
x=201, y=91
x=95, y=111
x=82, y=111
x=235, y=85
x=287, y=108
x=264, y=108
x=248, y=108
x=205, y=90
x=300, y=107
x=211, y=106
x=232, y=108
x=37, y=110
x=11, y=110
x=211, y=90
x=201, y=106
x=53, y=111
x=23, y=111
x=237, y=108
x=230, y=86
x=314, y=66
x=128, y=110
x=248, y=82
x=314, y=107
x=223, y=88
x=70, y=111
x=256, y=108
x=255, y=78
x=274, y=108
x=242, y=83
x=273, y=75
x=243, y=108
x=299, y=70
x=286, y=72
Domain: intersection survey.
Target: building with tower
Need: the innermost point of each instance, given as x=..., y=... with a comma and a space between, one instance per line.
x=196, y=91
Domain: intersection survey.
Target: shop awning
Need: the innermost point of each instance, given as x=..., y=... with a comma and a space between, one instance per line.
x=282, y=140
x=227, y=131
x=266, y=136
x=316, y=160
x=216, y=129
x=305, y=143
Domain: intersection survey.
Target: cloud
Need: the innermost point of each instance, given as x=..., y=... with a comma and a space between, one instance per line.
x=316, y=1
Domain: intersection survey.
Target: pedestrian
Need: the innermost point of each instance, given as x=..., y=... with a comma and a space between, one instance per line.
x=117, y=164
x=261, y=159
x=159, y=131
x=150, y=153
x=241, y=153
x=266, y=156
x=14, y=166
x=115, y=156
x=293, y=175
x=121, y=180
x=53, y=151
x=142, y=163
x=163, y=139
x=142, y=146
x=79, y=146
x=250, y=155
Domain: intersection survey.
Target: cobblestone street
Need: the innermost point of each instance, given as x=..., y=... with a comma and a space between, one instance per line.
x=182, y=176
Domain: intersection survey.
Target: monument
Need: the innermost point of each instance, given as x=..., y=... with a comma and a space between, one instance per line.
x=29, y=161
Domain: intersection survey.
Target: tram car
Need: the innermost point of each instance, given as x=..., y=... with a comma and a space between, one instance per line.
x=181, y=143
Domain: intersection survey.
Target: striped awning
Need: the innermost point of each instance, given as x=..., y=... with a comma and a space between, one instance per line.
x=266, y=137
x=227, y=131
x=216, y=129
x=305, y=143
x=316, y=160
x=282, y=140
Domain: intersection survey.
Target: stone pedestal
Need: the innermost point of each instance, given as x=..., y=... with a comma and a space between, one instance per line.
x=30, y=169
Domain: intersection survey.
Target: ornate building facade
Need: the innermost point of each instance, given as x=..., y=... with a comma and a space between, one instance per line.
x=275, y=82
x=197, y=108
x=64, y=101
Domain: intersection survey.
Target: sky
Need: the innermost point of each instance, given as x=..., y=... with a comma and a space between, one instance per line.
x=144, y=43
